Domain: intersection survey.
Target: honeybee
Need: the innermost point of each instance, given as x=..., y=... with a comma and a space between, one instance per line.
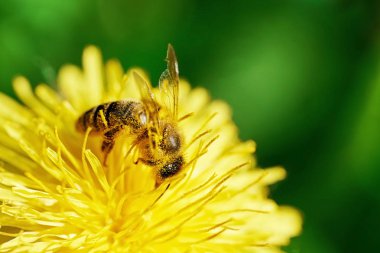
x=155, y=134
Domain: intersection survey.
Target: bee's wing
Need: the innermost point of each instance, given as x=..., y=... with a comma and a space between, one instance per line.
x=169, y=81
x=147, y=97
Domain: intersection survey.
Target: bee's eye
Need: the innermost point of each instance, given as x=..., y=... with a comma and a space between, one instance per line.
x=171, y=141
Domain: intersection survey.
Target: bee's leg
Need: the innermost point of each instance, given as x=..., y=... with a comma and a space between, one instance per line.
x=145, y=161
x=109, y=141
x=107, y=146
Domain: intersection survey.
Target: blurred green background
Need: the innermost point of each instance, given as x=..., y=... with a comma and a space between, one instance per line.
x=302, y=77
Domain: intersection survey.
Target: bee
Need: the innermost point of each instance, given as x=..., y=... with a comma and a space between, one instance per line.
x=152, y=126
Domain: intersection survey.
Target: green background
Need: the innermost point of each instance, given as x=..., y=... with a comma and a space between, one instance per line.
x=302, y=77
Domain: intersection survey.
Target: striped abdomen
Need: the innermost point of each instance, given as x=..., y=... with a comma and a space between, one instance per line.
x=111, y=115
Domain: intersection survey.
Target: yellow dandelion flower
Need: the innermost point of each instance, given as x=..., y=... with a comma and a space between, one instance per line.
x=58, y=195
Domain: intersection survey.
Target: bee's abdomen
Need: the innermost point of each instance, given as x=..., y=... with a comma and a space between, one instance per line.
x=92, y=118
x=105, y=116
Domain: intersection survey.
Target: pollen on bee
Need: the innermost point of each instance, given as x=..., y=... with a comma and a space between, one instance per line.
x=103, y=118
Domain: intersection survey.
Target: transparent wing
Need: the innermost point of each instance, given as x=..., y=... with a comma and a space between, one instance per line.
x=147, y=97
x=169, y=81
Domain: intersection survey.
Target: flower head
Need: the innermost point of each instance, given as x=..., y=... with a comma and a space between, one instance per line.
x=57, y=194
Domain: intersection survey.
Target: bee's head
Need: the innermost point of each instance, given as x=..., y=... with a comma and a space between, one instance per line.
x=171, y=168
